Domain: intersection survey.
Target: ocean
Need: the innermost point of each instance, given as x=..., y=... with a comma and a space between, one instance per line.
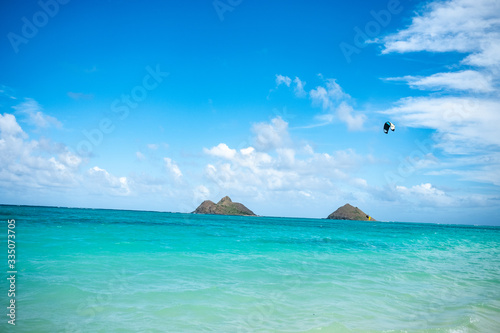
x=85, y=270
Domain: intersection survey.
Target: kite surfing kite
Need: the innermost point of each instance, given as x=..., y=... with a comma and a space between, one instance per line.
x=388, y=125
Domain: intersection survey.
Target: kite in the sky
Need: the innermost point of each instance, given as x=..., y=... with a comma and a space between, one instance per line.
x=388, y=125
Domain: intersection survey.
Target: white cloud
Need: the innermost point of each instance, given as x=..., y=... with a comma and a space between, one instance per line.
x=36, y=117
x=481, y=168
x=470, y=26
x=489, y=54
x=31, y=164
x=354, y=122
x=320, y=97
x=250, y=171
x=152, y=146
x=7, y=92
x=336, y=103
x=69, y=159
x=222, y=150
x=201, y=193
x=466, y=80
x=464, y=125
x=271, y=136
x=299, y=88
x=280, y=79
x=102, y=182
x=332, y=99
x=465, y=129
x=286, y=157
x=327, y=96
x=425, y=194
x=281, y=168
x=140, y=156
x=173, y=168
x=9, y=127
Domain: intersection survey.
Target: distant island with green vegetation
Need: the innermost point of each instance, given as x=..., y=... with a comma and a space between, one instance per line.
x=224, y=207
x=227, y=207
x=348, y=212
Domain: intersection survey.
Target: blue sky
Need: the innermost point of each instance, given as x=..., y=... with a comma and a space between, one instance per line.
x=159, y=105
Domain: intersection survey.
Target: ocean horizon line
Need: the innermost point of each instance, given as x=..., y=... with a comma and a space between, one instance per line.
x=243, y=216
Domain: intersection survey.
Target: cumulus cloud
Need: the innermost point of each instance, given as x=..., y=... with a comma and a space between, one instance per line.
x=425, y=194
x=35, y=117
x=222, y=150
x=32, y=164
x=271, y=135
x=251, y=171
x=280, y=167
x=173, y=168
x=9, y=128
x=326, y=96
x=102, y=182
x=346, y=113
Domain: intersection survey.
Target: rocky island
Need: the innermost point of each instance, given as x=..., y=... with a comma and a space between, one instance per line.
x=224, y=207
x=348, y=212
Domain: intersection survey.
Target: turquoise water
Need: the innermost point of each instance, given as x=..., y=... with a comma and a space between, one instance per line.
x=82, y=270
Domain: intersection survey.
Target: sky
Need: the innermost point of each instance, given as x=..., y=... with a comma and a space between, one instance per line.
x=159, y=105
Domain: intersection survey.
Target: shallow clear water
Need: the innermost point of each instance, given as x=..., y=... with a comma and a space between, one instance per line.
x=82, y=270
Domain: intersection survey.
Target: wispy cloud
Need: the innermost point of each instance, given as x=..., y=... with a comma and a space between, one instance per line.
x=466, y=80
x=173, y=168
x=7, y=92
x=79, y=95
x=464, y=117
x=337, y=105
x=280, y=79
x=35, y=116
x=469, y=26
x=299, y=88
x=331, y=98
x=463, y=125
x=140, y=156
